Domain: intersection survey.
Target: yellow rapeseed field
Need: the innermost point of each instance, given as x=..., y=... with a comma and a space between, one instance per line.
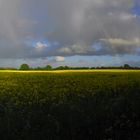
x=70, y=71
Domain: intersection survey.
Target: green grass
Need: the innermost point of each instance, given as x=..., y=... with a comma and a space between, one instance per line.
x=72, y=105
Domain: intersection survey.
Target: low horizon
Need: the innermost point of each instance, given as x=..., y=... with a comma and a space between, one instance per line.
x=63, y=67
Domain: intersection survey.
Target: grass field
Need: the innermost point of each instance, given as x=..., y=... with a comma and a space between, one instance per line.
x=72, y=105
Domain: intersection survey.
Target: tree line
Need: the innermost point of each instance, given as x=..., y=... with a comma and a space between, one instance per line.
x=49, y=67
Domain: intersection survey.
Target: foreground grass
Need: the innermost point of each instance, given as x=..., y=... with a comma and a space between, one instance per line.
x=72, y=105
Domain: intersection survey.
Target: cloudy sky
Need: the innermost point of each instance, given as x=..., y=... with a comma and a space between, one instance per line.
x=69, y=32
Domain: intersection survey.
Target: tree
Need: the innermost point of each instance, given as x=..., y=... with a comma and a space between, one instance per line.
x=24, y=67
x=126, y=66
x=48, y=67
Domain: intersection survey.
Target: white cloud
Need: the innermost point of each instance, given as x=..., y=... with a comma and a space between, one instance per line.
x=124, y=16
x=127, y=16
x=40, y=46
x=122, y=42
x=60, y=58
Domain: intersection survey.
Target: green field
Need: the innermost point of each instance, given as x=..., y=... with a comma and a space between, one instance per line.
x=71, y=105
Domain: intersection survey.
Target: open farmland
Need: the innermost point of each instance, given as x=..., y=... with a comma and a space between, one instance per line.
x=72, y=105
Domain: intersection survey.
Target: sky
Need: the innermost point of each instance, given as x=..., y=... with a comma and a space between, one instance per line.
x=69, y=32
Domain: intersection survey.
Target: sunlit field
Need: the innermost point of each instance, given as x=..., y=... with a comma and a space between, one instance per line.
x=71, y=71
x=70, y=104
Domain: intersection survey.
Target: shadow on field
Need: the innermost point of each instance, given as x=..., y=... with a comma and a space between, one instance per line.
x=71, y=110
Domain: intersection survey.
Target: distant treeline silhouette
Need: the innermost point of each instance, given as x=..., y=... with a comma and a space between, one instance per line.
x=49, y=67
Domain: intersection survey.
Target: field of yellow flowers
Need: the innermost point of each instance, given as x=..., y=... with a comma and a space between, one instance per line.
x=71, y=105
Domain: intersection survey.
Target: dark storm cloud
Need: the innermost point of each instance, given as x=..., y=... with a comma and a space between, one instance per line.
x=71, y=27
x=81, y=24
